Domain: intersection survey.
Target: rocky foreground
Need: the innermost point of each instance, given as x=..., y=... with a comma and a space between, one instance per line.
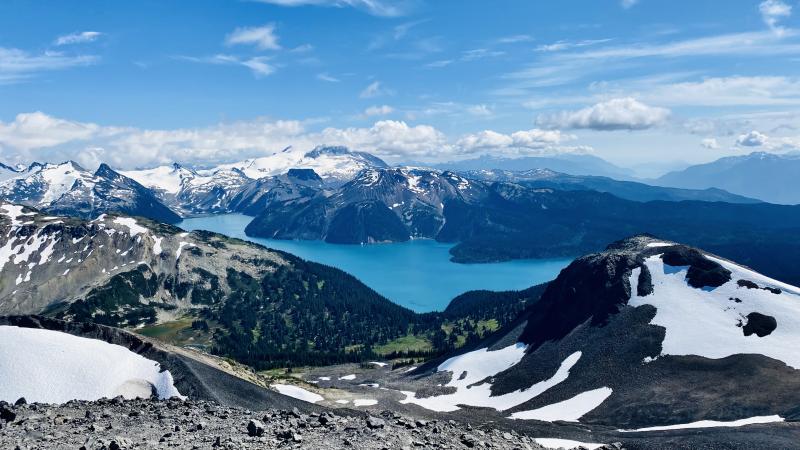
x=122, y=424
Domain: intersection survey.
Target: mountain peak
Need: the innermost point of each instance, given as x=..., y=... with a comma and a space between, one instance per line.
x=328, y=150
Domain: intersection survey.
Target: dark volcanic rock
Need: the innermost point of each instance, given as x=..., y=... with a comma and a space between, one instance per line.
x=702, y=272
x=759, y=324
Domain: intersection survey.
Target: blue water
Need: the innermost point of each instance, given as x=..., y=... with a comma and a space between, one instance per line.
x=416, y=274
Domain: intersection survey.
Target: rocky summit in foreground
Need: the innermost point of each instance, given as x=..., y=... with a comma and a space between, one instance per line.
x=119, y=424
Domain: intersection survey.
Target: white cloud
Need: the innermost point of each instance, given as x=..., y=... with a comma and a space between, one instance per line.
x=616, y=114
x=390, y=138
x=728, y=91
x=305, y=48
x=374, y=89
x=18, y=65
x=78, y=38
x=259, y=65
x=37, y=136
x=263, y=38
x=566, y=45
x=378, y=110
x=628, y=3
x=325, y=77
x=772, y=11
x=515, y=39
x=710, y=143
x=530, y=139
x=752, y=139
x=38, y=130
x=386, y=8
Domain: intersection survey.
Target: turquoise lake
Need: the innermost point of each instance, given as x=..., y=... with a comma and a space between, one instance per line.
x=416, y=274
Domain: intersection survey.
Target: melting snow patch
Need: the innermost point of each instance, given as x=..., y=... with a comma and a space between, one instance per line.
x=565, y=443
x=157, y=245
x=352, y=376
x=711, y=424
x=325, y=378
x=298, y=393
x=66, y=367
x=569, y=410
x=342, y=402
x=365, y=402
x=129, y=222
x=379, y=364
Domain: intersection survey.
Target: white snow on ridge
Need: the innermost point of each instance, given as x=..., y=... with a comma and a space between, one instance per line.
x=298, y=393
x=707, y=323
x=711, y=424
x=129, y=222
x=167, y=178
x=569, y=410
x=53, y=367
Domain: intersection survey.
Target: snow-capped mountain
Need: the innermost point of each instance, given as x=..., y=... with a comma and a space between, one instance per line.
x=377, y=205
x=7, y=172
x=296, y=184
x=192, y=192
x=335, y=165
x=67, y=188
x=240, y=186
x=648, y=333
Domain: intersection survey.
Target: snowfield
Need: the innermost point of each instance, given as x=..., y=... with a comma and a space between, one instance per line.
x=565, y=443
x=708, y=322
x=53, y=367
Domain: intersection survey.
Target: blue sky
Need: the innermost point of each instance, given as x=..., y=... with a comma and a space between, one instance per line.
x=647, y=83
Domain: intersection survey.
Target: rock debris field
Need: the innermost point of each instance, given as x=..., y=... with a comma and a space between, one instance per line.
x=133, y=424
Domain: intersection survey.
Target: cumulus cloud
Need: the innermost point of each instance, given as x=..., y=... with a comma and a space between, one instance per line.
x=378, y=110
x=752, y=139
x=386, y=8
x=616, y=114
x=772, y=11
x=531, y=139
x=710, y=143
x=78, y=38
x=40, y=137
x=263, y=38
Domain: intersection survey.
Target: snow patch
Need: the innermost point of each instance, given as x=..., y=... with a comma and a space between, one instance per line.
x=711, y=424
x=476, y=366
x=569, y=410
x=350, y=377
x=53, y=367
x=364, y=402
x=298, y=393
x=565, y=443
x=129, y=222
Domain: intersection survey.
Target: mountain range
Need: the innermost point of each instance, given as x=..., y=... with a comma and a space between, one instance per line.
x=766, y=176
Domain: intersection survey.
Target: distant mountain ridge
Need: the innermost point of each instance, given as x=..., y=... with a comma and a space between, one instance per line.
x=766, y=176
x=629, y=190
x=573, y=164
